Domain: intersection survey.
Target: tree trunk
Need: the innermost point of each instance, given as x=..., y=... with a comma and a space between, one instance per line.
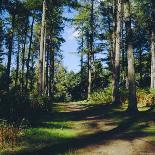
x=89, y=56
x=10, y=43
x=132, y=105
x=17, y=65
x=82, y=52
x=153, y=47
x=52, y=67
x=116, y=91
x=29, y=54
x=42, y=50
x=140, y=67
x=113, y=45
x=23, y=59
x=47, y=67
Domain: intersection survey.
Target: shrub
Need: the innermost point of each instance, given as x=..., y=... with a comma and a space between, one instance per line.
x=101, y=96
x=145, y=97
x=9, y=134
x=39, y=103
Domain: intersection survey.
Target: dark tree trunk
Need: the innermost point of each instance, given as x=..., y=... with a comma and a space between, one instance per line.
x=23, y=60
x=132, y=105
x=113, y=44
x=10, y=43
x=52, y=67
x=116, y=91
x=140, y=67
x=29, y=54
x=42, y=50
x=17, y=65
x=47, y=68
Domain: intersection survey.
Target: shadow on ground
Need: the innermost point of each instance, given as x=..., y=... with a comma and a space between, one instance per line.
x=126, y=127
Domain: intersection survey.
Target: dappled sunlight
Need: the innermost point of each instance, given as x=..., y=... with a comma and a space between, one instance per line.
x=106, y=132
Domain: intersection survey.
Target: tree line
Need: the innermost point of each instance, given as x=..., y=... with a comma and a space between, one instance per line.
x=116, y=46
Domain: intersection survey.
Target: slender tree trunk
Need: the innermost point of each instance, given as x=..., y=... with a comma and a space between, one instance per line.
x=153, y=46
x=89, y=66
x=82, y=52
x=10, y=42
x=47, y=68
x=52, y=68
x=116, y=91
x=42, y=50
x=140, y=67
x=23, y=59
x=29, y=54
x=44, y=64
x=132, y=105
x=17, y=65
x=32, y=69
x=92, y=53
x=123, y=49
x=113, y=43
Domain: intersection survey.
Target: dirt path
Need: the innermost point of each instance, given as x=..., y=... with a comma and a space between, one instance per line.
x=101, y=130
x=115, y=143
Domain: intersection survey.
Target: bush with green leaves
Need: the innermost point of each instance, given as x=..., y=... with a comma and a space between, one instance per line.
x=39, y=103
x=101, y=96
x=145, y=97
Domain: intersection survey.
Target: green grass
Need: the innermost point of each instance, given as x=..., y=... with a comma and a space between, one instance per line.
x=61, y=127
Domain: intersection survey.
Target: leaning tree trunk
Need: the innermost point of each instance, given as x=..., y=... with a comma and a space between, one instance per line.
x=116, y=91
x=132, y=105
x=42, y=50
x=153, y=47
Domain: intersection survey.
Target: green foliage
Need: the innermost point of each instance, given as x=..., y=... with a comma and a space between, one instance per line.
x=39, y=103
x=101, y=96
x=145, y=97
x=13, y=104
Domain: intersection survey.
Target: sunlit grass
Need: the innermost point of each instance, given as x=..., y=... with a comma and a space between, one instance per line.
x=60, y=127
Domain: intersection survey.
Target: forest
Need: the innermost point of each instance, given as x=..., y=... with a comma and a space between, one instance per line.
x=107, y=107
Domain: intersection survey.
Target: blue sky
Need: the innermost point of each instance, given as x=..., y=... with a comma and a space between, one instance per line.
x=71, y=59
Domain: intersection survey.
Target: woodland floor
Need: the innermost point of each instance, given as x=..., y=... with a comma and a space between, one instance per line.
x=81, y=129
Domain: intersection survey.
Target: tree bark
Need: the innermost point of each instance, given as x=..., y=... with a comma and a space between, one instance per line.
x=29, y=54
x=23, y=59
x=89, y=57
x=10, y=42
x=17, y=64
x=52, y=68
x=153, y=46
x=42, y=50
x=82, y=52
x=132, y=105
x=116, y=91
x=47, y=67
